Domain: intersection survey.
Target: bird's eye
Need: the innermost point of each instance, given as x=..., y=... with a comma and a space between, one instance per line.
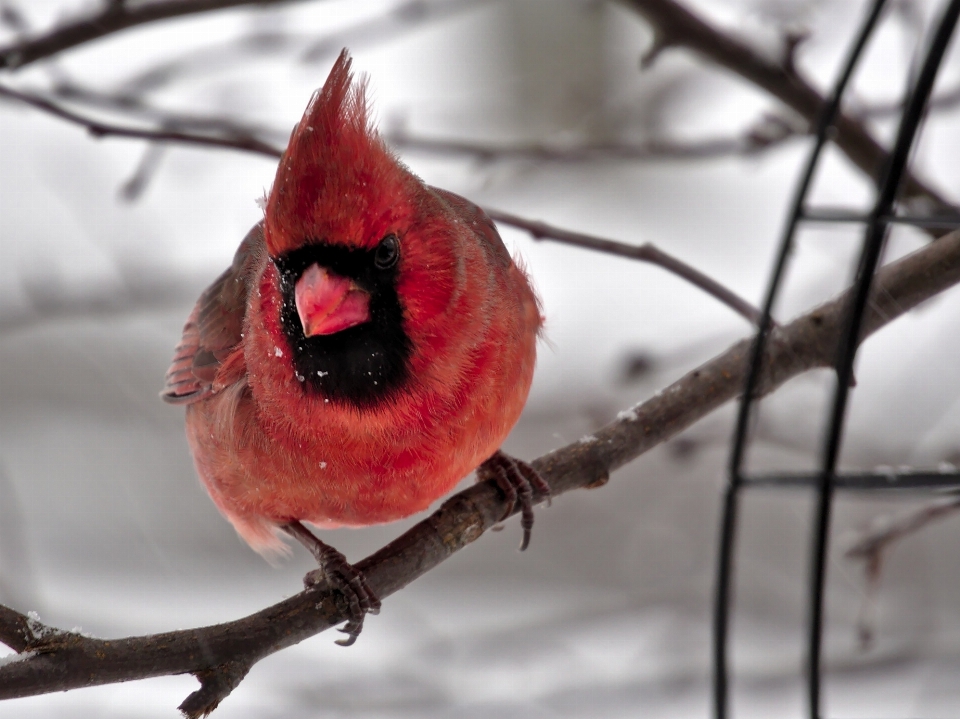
x=388, y=252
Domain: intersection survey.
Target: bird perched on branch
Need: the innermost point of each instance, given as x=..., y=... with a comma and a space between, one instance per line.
x=372, y=343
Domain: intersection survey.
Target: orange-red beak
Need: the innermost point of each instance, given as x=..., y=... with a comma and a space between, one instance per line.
x=328, y=303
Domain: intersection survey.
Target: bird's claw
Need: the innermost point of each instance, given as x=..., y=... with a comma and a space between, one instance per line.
x=519, y=482
x=336, y=572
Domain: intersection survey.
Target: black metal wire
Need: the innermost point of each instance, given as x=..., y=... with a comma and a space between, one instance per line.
x=875, y=234
x=911, y=481
x=837, y=215
x=721, y=620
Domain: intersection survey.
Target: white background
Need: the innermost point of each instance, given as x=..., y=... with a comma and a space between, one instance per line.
x=103, y=524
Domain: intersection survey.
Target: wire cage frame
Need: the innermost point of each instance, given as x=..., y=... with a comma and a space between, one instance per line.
x=826, y=481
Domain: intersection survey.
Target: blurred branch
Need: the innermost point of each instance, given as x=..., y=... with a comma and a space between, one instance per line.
x=132, y=103
x=645, y=253
x=401, y=18
x=15, y=630
x=770, y=131
x=136, y=184
x=220, y=655
x=12, y=19
x=113, y=17
x=946, y=100
x=675, y=26
x=96, y=128
x=137, y=288
x=404, y=16
x=871, y=548
x=242, y=140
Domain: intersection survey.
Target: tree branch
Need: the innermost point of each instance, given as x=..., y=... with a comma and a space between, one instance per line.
x=872, y=548
x=645, y=253
x=243, y=140
x=945, y=100
x=239, y=141
x=113, y=18
x=220, y=654
x=677, y=26
x=131, y=102
x=769, y=132
x=15, y=629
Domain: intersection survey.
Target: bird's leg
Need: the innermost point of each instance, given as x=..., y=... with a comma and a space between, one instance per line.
x=337, y=572
x=519, y=482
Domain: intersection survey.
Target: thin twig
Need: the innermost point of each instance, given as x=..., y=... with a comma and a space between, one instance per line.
x=132, y=103
x=766, y=134
x=645, y=253
x=133, y=188
x=261, y=42
x=539, y=230
x=875, y=544
x=678, y=27
x=402, y=17
x=12, y=19
x=137, y=289
x=64, y=660
x=113, y=18
x=15, y=629
x=870, y=547
x=102, y=129
x=946, y=100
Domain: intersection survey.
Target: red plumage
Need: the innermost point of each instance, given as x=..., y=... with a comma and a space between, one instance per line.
x=373, y=422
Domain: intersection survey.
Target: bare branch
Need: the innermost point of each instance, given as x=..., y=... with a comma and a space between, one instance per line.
x=64, y=660
x=657, y=47
x=680, y=27
x=770, y=131
x=792, y=40
x=946, y=100
x=136, y=289
x=871, y=548
x=244, y=141
x=132, y=103
x=645, y=253
x=134, y=187
x=767, y=132
x=102, y=129
x=261, y=42
x=14, y=629
x=113, y=18
x=215, y=686
x=11, y=17
x=405, y=16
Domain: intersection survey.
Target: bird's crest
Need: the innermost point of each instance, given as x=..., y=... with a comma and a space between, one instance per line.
x=337, y=182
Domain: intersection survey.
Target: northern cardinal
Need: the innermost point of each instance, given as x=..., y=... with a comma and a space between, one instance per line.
x=372, y=343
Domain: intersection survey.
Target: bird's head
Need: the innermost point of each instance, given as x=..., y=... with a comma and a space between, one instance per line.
x=344, y=226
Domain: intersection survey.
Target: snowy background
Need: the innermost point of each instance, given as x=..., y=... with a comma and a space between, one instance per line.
x=103, y=524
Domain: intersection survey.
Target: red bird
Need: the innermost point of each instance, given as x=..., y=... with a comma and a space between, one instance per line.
x=371, y=344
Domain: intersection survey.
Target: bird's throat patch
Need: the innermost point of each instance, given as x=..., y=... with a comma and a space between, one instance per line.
x=362, y=365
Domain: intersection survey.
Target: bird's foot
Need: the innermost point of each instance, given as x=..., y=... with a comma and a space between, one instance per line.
x=337, y=573
x=519, y=482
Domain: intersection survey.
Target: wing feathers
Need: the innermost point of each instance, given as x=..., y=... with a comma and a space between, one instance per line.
x=214, y=329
